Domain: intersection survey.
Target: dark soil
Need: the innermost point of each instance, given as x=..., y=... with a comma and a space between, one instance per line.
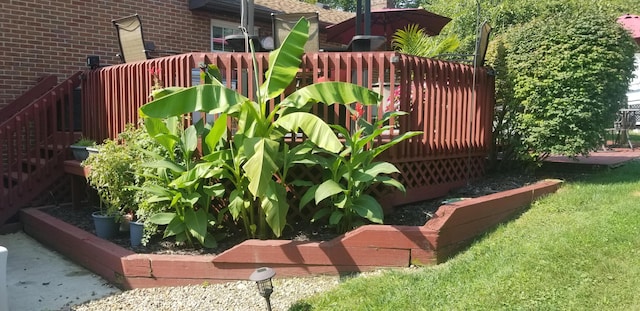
x=415, y=214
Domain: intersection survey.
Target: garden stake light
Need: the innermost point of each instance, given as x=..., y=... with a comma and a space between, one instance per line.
x=262, y=277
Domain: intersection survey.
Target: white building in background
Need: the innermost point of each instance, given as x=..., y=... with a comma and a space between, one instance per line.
x=633, y=94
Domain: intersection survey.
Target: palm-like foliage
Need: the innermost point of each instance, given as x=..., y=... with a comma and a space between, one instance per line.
x=412, y=40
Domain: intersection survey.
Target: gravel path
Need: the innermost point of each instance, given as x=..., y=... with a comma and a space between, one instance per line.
x=240, y=296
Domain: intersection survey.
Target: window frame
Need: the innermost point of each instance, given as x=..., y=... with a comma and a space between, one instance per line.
x=226, y=25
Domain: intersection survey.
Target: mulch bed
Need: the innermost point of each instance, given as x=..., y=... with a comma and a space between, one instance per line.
x=415, y=214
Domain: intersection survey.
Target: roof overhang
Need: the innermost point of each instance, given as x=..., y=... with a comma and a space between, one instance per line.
x=230, y=8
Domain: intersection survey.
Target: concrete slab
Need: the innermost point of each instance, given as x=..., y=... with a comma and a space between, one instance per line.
x=41, y=279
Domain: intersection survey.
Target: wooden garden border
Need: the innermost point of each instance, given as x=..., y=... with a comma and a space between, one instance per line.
x=369, y=247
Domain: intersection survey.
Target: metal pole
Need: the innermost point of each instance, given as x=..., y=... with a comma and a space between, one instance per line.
x=250, y=21
x=243, y=13
x=268, y=304
x=243, y=23
x=359, y=17
x=474, y=97
x=367, y=17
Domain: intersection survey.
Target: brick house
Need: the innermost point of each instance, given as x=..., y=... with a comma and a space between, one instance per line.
x=55, y=37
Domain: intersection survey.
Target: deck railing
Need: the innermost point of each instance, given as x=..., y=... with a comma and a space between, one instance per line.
x=454, y=115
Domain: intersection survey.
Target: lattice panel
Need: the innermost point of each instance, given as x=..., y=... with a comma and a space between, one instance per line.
x=423, y=174
x=294, y=195
x=419, y=174
x=433, y=172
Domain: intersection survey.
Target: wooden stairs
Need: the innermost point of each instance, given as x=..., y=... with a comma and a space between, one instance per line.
x=35, y=133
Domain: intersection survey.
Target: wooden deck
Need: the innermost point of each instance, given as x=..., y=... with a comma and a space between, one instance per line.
x=609, y=158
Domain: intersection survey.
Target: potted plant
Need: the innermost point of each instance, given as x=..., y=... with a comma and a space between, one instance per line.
x=105, y=222
x=136, y=232
x=81, y=148
x=116, y=173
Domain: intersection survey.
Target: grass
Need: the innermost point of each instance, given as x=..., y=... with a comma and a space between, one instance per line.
x=578, y=249
x=634, y=136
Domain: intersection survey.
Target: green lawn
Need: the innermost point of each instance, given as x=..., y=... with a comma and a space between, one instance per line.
x=578, y=249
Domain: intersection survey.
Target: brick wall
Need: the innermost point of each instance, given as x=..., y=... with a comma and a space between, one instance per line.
x=42, y=37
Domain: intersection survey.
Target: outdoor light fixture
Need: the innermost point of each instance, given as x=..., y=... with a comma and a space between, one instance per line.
x=262, y=277
x=93, y=61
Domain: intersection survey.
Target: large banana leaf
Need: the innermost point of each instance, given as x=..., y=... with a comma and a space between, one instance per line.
x=327, y=189
x=262, y=163
x=216, y=134
x=159, y=131
x=205, y=97
x=315, y=128
x=285, y=61
x=196, y=223
x=276, y=207
x=330, y=93
x=373, y=170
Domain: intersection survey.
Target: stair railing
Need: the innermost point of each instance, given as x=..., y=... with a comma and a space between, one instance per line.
x=43, y=85
x=34, y=143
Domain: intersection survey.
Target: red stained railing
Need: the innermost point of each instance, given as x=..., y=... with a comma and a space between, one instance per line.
x=34, y=143
x=454, y=115
x=44, y=84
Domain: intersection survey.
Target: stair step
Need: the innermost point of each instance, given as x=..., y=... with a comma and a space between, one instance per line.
x=12, y=178
x=49, y=151
x=31, y=164
x=53, y=147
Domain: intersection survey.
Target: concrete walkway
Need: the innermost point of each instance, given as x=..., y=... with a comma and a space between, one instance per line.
x=41, y=279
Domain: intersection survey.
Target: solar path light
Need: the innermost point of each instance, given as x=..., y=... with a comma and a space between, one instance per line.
x=262, y=277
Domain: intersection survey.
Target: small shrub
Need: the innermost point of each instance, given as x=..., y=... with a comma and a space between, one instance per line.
x=117, y=168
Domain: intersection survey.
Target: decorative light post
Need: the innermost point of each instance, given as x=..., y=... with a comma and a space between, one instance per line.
x=262, y=277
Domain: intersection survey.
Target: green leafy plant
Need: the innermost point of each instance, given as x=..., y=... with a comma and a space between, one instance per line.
x=256, y=158
x=182, y=184
x=413, y=40
x=85, y=142
x=114, y=170
x=352, y=172
x=567, y=77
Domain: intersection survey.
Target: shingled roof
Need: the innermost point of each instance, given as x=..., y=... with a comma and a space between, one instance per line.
x=293, y=6
x=263, y=9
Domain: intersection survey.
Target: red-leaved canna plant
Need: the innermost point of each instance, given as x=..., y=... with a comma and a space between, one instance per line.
x=155, y=76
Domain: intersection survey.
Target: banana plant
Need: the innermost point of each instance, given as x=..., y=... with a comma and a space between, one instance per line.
x=256, y=157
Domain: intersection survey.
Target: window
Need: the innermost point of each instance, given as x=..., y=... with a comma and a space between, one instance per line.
x=220, y=29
